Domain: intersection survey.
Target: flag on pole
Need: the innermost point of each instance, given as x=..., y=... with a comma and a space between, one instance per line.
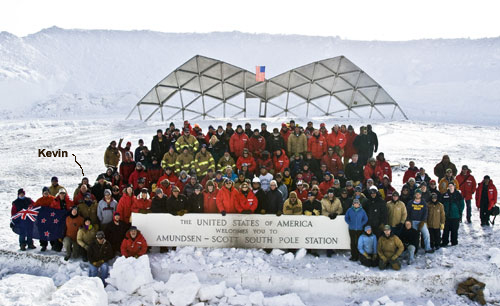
x=260, y=73
x=41, y=222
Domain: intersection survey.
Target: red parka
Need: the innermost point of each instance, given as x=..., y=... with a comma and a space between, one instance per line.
x=256, y=145
x=281, y=162
x=134, y=177
x=249, y=160
x=349, y=149
x=336, y=139
x=44, y=201
x=492, y=194
x=302, y=195
x=210, y=201
x=466, y=184
x=140, y=203
x=56, y=204
x=411, y=172
x=317, y=146
x=248, y=202
x=333, y=163
x=227, y=199
x=124, y=207
x=384, y=168
x=172, y=178
x=134, y=247
x=237, y=143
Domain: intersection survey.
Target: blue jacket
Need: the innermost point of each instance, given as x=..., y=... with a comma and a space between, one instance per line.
x=417, y=212
x=356, y=218
x=367, y=244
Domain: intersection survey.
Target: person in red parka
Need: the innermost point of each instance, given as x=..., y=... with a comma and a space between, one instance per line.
x=227, y=198
x=238, y=142
x=411, y=172
x=134, y=244
x=285, y=133
x=247, y=200
x=170, y=175
x=372, y=172
x=62, y=201
x=210, y=198
x=142, y=204
x=383, y=166
x=486, y=198
x=336, y=138
x=45, y=201
x=138, y=173
x=301, y=191
x=332, y=161
x=467, y=186
x=246, y=158
x=349, y=149
x=326, y=184
x=124, y=207
x=127, y=166
x=317, y=145
x=280, y=161
x=256, y=144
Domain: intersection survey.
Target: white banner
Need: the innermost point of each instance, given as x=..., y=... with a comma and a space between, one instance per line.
x=243, y=231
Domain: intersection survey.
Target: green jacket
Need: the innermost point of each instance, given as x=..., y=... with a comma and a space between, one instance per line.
x=453, y=204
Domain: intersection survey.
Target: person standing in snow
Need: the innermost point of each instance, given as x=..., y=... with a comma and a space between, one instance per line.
x=442, y=166
x=25, y=233
x=105, y=209
x=99, y=253
x=453, y=203
x=356, y=218
x=435, y=220
x=467, y=186
x=111, y=156
x=417, y=213
x=486, y=197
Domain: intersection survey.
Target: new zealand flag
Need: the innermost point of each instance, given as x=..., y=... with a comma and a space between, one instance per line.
x=43, y=222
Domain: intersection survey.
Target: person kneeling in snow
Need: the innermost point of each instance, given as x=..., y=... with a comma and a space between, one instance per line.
x=134, y=243
x=367, y=246
x=389, y=249
x=99, y=252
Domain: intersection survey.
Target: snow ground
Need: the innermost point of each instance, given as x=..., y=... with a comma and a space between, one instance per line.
x=313, y=280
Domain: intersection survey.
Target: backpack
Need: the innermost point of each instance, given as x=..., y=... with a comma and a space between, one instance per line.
x=494, y=212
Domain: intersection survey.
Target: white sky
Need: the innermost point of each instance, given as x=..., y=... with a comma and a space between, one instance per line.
x=350, y=19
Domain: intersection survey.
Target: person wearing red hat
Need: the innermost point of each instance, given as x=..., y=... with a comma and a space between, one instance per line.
x=126, y=149
x=285, y=133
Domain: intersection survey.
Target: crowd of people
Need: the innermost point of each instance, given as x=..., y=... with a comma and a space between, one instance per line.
x=295, y=170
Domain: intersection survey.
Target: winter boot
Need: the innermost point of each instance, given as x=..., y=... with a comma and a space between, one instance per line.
x=31, y=247
x=23, y=247
x=44, y=248
x=66, y=258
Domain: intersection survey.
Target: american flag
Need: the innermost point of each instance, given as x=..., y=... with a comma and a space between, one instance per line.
x=260, y=73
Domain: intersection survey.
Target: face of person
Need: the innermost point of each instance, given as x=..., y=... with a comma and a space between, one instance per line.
x=418, y=195
x=449, y=173
x=412, y=164
x=117, y=218
x=451, y=187
x=129, y=190
x=210, y=188
x=408, y=225
x=133, y=233
x=387, y=233
x=355, y=158
x=74, y=212
x=87, y=223
x=369, y=231
x=356, y=205
x=486, y=181
x=197, y=191
x=395, y=197
x=54, y=183
x=144, y=195
x=273, y=186
x=62, y=195
x=46, y=193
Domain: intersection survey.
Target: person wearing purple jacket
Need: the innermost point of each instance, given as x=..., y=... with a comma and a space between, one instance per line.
x=417, y=213
x=356, y=218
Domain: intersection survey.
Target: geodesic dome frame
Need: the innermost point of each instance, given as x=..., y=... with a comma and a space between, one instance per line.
x=208, y=78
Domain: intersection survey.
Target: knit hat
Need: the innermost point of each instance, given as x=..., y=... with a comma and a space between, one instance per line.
x=368, y=228
x=19, y=191
x=132, y=228
x=99, y=235
x=107, y=192
x=144, y=190
x=54, y=179
x=87, y=195
x=45, y=189
x=158, y=190
x=395, y=193
x=387, y=227
x=355, y=201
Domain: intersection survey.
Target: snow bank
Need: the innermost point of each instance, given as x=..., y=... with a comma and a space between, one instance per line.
x=80, y=290
x=495, y=256
x=128, y=274
x=24, y=289
x=182, y=288
x=284, y=300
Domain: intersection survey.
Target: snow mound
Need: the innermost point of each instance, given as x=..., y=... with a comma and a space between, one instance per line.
x=300, y=254
x=291, y=299
x=495, y=256
x=182, y=288
x=24, y=289
x=208, y=293
x=128, y=274
x=80, y=290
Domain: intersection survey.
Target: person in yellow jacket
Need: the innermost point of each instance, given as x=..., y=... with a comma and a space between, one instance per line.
x=169, y=158
x=292, y=206
x=184, y=161
x=297, y=142
x=225, y=161
x=85, y=236
x=187, y=141
x=448, y=178
x=436, y=218
x=330, y=205
x=203, y=161
x=389, y=248
x=396, y=213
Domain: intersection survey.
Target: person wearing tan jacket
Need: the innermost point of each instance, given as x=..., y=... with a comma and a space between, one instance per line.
x=297, y=142
x=389, y=248
x=292, y=206
x=330, y=205
x=85, y=236
x=396, y=213
x=112, y=155
x=435, y=220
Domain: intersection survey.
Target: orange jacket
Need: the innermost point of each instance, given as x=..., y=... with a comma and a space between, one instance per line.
x=44, y=201
x=227, y=199
x=134, y=247
x=248, y=202
x=317, y=146
x=56, y=204
x=237, y=143
x=72, y=226
x=124, y=207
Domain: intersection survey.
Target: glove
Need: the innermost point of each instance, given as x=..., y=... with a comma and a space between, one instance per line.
x=278, y=213
x=394, y=257
x=366, y=255
x=223, y=213
x=180, y=213
x=262, y=211
x=12, y=226
x=307, y=213
x=374, y=256
x=384, y=259
x=332, y=216
x=421, y=225
x=246, y=212
x=441, y=226
x=316, y=212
